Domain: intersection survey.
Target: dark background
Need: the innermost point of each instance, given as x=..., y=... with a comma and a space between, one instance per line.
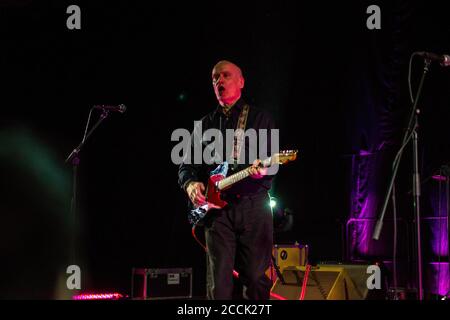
x=334, y=87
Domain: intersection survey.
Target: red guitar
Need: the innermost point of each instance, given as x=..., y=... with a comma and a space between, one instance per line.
x=218, y=181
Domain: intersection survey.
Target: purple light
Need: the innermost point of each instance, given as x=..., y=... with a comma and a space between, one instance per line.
x=437, y=222
x=438, y=177
x=363, y=226
x=439, y=274
x=439, y=237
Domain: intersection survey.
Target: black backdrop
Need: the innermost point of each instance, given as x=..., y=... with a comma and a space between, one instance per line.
x=334, y=87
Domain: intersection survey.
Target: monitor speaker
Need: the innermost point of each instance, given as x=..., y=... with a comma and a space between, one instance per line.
x=325, y=282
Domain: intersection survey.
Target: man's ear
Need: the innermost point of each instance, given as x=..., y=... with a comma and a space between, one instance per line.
x=241, y=82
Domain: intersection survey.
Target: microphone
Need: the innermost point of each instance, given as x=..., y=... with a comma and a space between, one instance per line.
x=444, y=59
x=120, y=108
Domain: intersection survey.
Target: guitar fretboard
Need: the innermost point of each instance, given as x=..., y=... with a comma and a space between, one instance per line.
x=228, y=181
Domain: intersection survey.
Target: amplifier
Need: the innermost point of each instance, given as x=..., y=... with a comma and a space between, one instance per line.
x=287, y=255
x=157, y=284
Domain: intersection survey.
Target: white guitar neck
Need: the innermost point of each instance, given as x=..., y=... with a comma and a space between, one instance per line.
x=238, y=176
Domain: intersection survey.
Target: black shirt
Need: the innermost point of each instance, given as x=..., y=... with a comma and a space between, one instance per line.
x=256, y=119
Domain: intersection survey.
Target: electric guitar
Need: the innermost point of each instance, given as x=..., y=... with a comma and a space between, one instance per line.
x=218, y=181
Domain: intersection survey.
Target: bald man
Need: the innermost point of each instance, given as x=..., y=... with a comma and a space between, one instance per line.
x=228, y=82
x=238, y=236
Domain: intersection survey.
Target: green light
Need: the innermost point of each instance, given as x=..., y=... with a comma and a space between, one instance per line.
x=182, y=97
x=273, y=203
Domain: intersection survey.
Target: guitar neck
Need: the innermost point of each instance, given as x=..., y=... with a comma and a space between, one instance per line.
x=234, y=178
x=238, y=176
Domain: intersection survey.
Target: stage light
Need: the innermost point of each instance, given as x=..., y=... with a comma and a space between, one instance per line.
x=98, y=296
x=273, y=203
x=182, y=97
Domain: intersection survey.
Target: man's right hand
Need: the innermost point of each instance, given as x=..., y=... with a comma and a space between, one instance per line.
x=195, y=191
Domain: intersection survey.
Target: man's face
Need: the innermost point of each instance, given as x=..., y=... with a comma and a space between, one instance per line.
x=227, y=82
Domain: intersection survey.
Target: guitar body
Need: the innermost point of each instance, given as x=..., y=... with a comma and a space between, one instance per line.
x=213, y=194
x=213, y=199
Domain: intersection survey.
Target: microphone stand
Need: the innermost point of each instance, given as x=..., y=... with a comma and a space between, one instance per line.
x=411, y=132
x=74, y=159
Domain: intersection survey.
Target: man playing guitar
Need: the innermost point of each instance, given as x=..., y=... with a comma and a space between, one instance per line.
x=238, y=235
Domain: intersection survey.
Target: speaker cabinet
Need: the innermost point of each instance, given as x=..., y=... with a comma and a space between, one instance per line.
x=325, y=282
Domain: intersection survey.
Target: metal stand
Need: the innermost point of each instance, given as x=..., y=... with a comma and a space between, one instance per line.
x=410, y=133
x=416, y=195
x=75, y=161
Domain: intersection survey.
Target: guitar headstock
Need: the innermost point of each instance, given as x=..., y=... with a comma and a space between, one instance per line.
x=284, y=156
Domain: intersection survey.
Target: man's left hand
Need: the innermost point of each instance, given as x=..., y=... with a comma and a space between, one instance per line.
x=256, y=170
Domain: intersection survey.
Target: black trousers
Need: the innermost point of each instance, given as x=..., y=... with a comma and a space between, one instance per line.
x=239, y=237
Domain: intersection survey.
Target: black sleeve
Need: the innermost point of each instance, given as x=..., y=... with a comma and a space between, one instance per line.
x=188, y=171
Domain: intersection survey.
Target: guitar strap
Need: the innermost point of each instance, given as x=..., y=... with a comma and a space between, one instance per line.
x=239, y=135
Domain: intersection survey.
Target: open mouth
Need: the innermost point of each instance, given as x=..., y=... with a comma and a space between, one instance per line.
x=221, y=89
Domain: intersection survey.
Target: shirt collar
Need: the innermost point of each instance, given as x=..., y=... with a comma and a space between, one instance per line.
x=236, y=108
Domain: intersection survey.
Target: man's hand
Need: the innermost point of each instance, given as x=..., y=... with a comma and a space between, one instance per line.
x=256, y=171
x=195, y=191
